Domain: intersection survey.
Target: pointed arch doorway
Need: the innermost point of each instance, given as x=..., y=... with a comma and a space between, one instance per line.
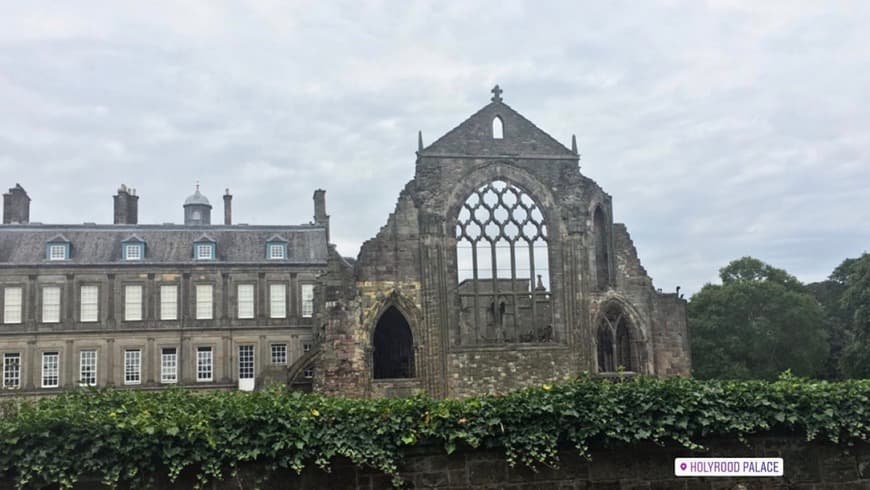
x=392, y=346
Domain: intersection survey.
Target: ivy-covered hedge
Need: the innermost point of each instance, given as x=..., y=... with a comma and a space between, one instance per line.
x=129, y=436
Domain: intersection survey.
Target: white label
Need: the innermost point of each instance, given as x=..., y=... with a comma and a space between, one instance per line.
x=728, y=467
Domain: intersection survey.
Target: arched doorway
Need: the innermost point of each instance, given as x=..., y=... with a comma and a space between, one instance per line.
x=393, y=347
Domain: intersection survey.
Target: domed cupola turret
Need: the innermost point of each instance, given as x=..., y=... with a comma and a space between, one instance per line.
x=197, y=209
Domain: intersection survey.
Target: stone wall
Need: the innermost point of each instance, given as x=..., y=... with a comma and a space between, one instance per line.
x=807, y=465
x=479, y=371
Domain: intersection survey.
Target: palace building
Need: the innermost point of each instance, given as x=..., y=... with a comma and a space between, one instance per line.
x=501, y=267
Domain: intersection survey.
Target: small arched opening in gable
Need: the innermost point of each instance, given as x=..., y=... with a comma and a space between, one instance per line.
x=497, y=128
x=393, y=346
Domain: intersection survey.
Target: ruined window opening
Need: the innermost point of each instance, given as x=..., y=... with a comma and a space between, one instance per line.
x=393, y=347
x=605, y=350
x=614, y=355
x=623, y=346
x=503, y=267
x=497, y=128
x=602, y=257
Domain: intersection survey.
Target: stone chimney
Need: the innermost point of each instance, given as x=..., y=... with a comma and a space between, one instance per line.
x=133, y=207
x=228, y=208
x=16, y=206
x=126, y=206
x=320, y=216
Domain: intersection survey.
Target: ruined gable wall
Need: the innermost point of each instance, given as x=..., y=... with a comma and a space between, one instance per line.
x=665, y=328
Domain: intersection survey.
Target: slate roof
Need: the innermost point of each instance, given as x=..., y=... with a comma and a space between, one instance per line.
x=101, y=244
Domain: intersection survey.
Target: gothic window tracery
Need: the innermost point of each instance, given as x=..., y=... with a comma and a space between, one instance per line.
x=503, y=267
x=615, y=342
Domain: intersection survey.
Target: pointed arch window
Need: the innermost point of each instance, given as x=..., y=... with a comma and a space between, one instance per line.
x=605, y=350
x=502, y=264
x=602, y=247
x=497, y=128
x=615, y=342
x=392, y=347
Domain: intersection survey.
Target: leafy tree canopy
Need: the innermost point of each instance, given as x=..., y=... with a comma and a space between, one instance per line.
x=750, y=269
x=759, y=322
x=853, y=277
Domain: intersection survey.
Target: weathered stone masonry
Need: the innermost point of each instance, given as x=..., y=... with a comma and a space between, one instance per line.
x=412, y=265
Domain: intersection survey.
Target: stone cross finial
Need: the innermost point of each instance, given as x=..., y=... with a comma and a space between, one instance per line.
x=197, y=185
x=496, y=93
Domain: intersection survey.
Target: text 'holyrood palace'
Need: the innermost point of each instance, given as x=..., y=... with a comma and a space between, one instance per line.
x=500, y=267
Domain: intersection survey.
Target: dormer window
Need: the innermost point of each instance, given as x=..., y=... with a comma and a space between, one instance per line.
x=133, y=248
x=204, y=251
x=204, y=248
x=57, y=248
x=276, y=248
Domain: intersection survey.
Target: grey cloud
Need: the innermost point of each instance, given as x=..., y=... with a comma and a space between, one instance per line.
x=721, y=129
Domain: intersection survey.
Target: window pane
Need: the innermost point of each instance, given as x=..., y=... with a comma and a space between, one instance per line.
x=132, y=303
x=246, y=362
x=307, y=300
x=205, y=251
x=169, y=302
x=132, y=252
x=88, y=368
x=50, y=304
x=12, y=305
x=246, y=300
x=168, y=365
x=279, y=353
x=57, y=252
x=276, y=251
x=50, y=377
x=132, y=366
x=204, y=364
x=89, y=303
x=278, y=301
x=11, y=370
x=204, y=310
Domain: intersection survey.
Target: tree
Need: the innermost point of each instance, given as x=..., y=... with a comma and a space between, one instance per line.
x=837, y=324
x=759, y=322
x=853, y=275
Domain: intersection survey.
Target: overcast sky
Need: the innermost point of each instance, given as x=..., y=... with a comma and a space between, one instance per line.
x=721, y=129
